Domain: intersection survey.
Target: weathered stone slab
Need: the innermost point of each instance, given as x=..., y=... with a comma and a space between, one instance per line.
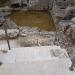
x=35, y=61
x=25, y=54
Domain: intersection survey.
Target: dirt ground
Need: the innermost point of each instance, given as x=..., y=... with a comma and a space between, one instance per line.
x=33, y=19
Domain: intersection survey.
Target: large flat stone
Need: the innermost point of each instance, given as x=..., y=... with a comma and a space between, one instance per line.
x=44, y=60
x=26, y=54
x=44, y=67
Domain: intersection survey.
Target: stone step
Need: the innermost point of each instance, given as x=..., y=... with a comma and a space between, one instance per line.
x=32, y=54
x=43, y=60
x=44, y=67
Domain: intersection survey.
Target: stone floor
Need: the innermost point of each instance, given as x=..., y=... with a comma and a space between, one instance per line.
x=44, y=60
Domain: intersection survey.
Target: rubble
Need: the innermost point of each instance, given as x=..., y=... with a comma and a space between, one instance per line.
x=12, y=33
x=25, y=30
x=33, y=37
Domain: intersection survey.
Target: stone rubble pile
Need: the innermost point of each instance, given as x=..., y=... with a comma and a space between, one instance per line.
x=29, y=36
x=25, y=30
x=12, y=33
x=35, y=37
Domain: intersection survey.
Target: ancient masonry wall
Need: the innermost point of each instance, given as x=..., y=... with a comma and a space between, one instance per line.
x=64, y=19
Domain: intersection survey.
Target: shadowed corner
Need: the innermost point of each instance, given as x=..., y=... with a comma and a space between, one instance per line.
x=1, y=63
x=4, y=51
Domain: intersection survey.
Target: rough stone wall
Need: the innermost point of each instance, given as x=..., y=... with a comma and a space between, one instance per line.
x=38, y=5
x=65, y=25
x=15, y=1
x=34, y=4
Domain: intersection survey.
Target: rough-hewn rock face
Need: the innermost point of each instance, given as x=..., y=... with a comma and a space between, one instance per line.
x=32, y=4
x=63, y=13
x=65, y=24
